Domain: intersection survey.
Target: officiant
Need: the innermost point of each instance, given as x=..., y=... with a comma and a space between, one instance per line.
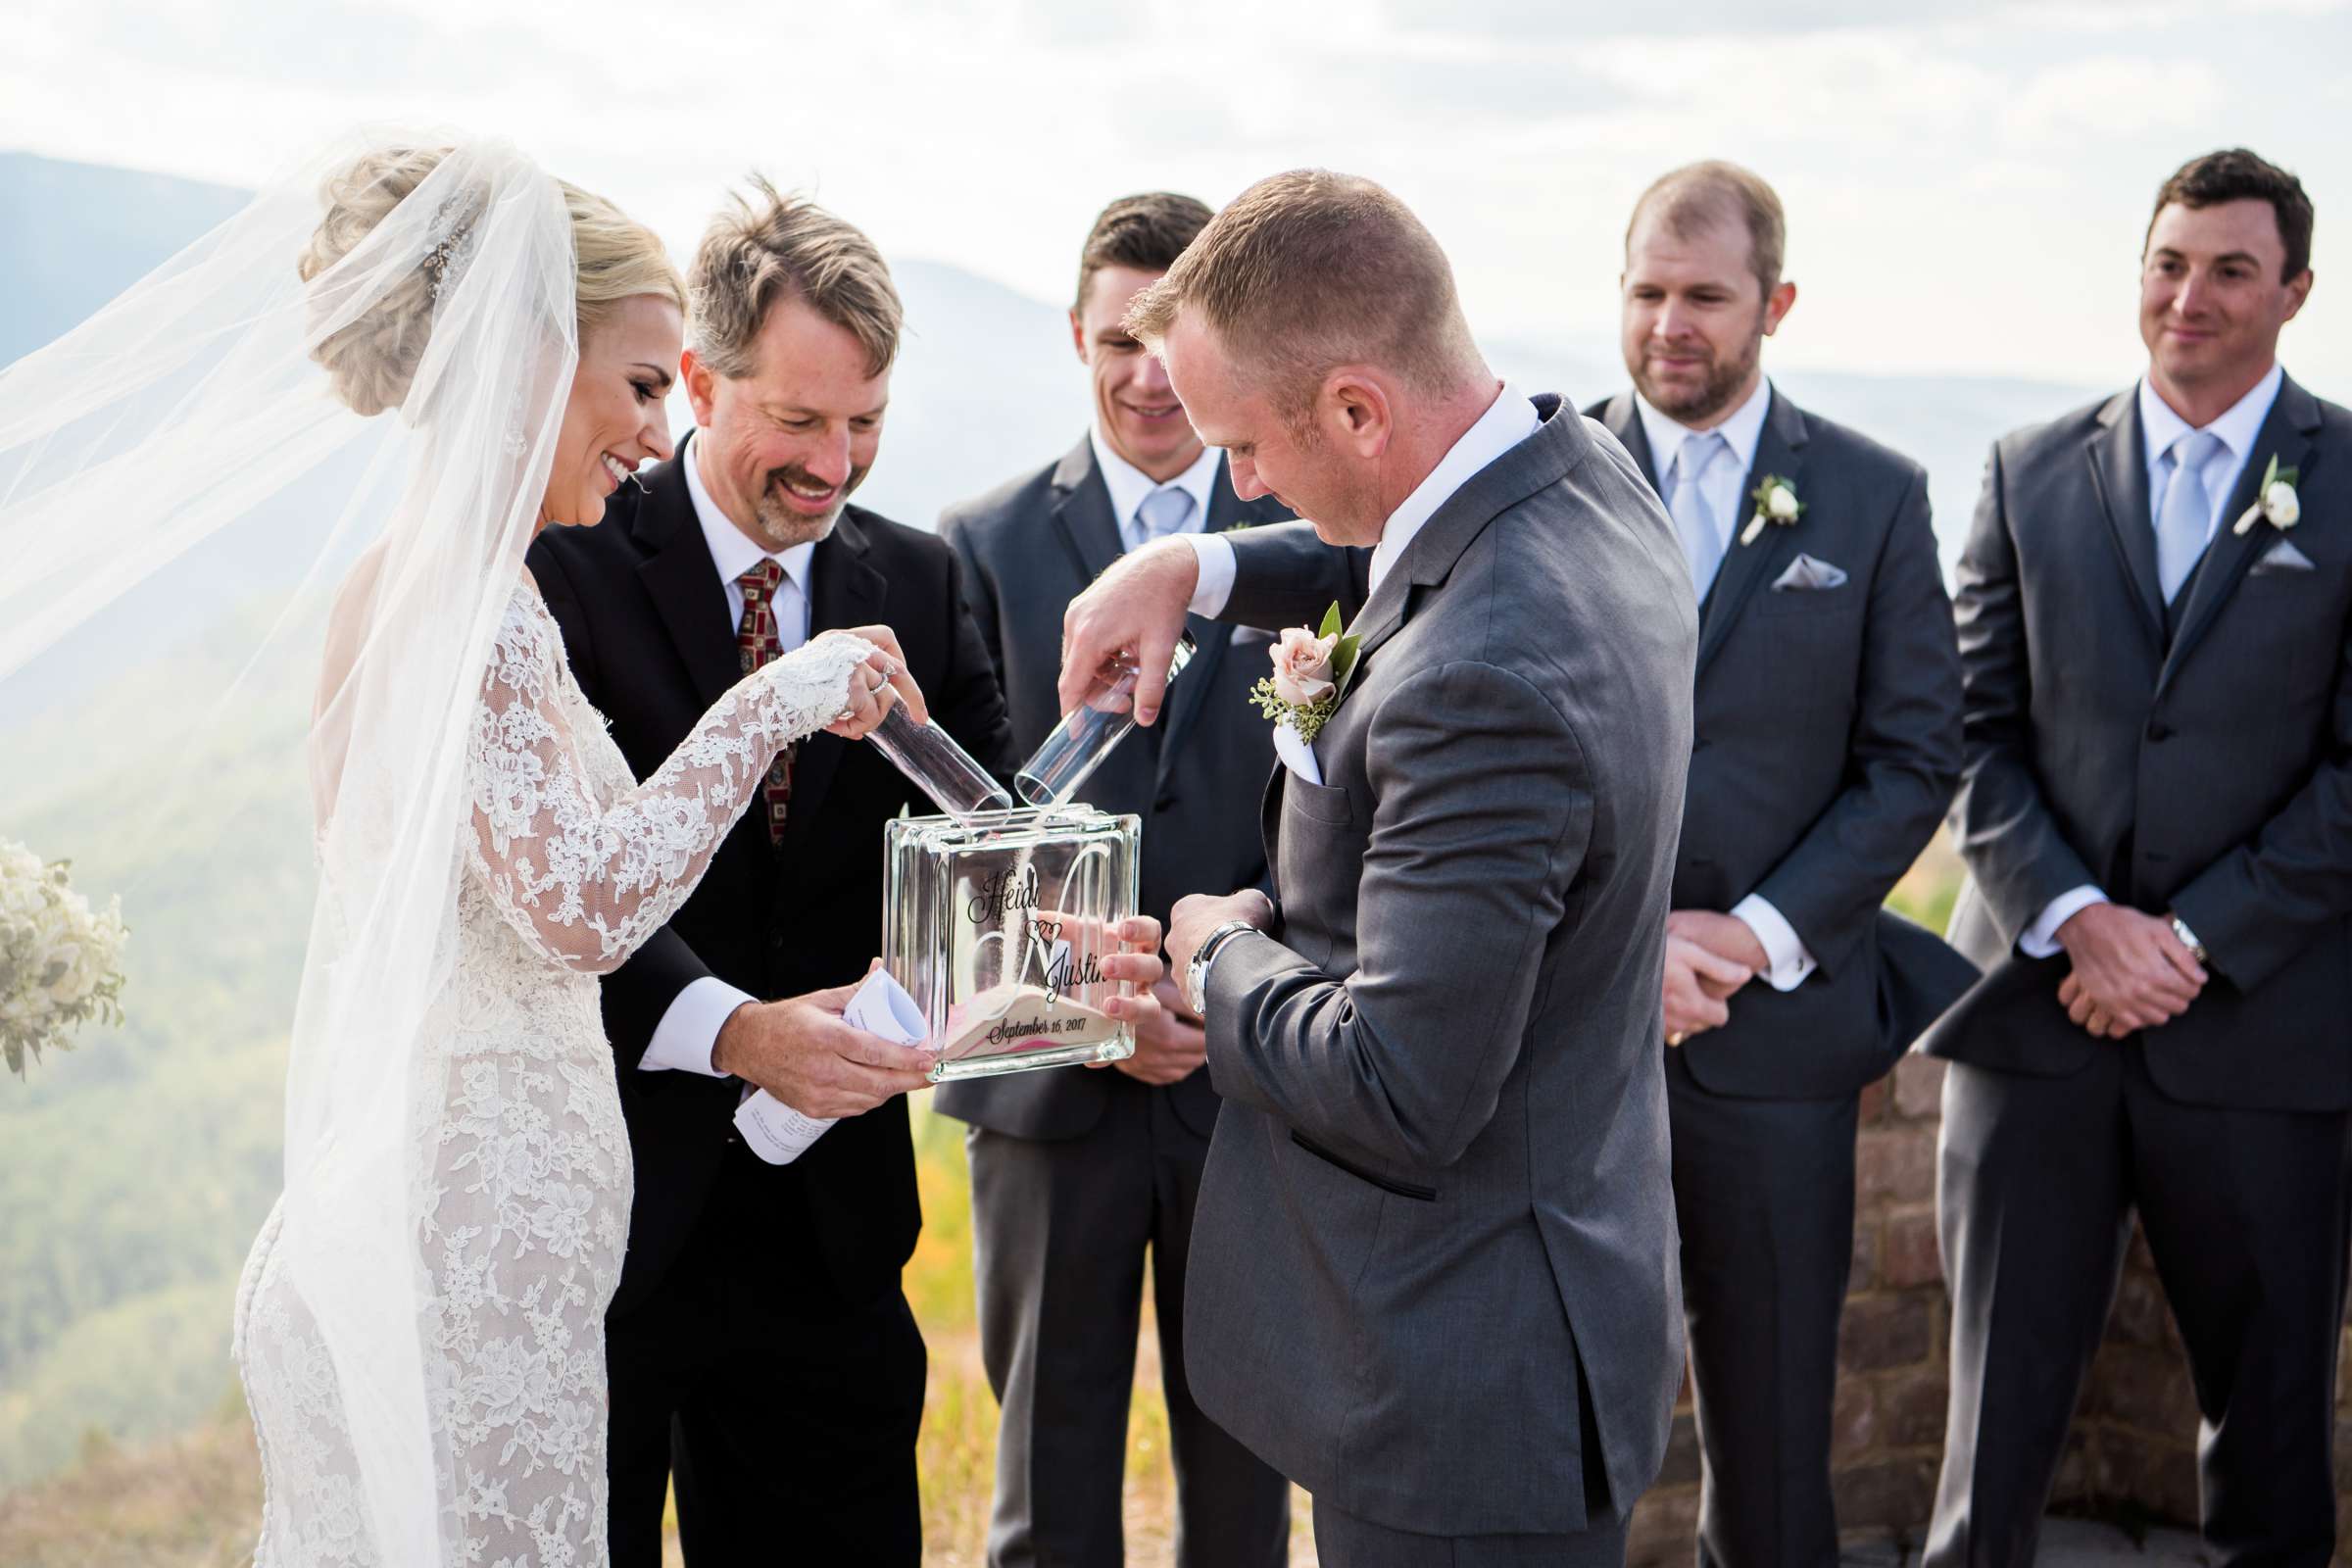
x=761, y=1353
x=1078, y=1176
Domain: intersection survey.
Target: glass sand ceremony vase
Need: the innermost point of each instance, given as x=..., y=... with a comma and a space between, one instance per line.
x=998, y=923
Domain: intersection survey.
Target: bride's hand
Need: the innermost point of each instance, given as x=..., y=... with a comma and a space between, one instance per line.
x=875, y=684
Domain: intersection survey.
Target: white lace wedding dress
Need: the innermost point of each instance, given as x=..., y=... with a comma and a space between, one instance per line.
x=521, y=1179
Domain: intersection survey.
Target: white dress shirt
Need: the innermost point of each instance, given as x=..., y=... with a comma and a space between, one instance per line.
x=1130, y=487
x=689, y=1029
x=2162, y=429
x=1725, y=487
x=1725, y=484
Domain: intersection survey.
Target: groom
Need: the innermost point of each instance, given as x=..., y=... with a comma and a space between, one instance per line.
x=761, y=1352
x=1433, y=1273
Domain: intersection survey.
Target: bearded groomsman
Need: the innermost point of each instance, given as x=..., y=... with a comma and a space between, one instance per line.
x=1826, y=744
x=2156, y=636
x=1077, y=1175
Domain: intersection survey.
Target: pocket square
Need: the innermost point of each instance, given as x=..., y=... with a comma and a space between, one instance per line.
x=1805, y=574
x=2282, y=555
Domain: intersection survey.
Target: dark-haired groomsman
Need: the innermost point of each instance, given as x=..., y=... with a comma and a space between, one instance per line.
x=2157, y=819
x=1826, y=744
x=1077, y=1175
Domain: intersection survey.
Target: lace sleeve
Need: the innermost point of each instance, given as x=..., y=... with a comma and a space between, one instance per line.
x=587, y=881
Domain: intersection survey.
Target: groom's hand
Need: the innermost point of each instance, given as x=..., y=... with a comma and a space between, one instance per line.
x=800, y=1050
x=1136, y=608
x=1195, y=917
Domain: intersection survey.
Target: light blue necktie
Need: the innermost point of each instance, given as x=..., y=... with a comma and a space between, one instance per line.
x=1694, y=519
x=1165, y=510
x=2186, y=516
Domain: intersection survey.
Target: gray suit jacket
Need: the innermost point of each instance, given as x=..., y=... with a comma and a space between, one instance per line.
x=1828, y=747
x=1439, y=1188
x=1030, y=546
x=2198, y=760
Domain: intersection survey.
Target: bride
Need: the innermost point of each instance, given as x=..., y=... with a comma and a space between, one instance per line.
x=421, y=1324
x=563, y=864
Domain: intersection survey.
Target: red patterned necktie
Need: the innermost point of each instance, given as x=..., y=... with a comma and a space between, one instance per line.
x=757, y=641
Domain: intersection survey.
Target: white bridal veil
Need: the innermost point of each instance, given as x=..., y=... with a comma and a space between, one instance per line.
x=194, y=409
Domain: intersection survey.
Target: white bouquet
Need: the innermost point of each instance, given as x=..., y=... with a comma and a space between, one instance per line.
x=59, y=958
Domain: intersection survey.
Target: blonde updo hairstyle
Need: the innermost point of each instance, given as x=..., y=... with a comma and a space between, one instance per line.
x=372, y=360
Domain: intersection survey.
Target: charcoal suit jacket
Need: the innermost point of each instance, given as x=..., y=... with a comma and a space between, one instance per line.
x=2195, y=758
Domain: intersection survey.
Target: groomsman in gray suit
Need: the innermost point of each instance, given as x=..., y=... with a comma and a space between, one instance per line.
x=2157, y=819
x=1826, y=746
x=1077, y=1175
x=1433, y=1275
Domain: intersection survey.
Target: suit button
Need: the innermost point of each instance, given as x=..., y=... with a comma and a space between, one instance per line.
x=2158, y=730
x=775, y=942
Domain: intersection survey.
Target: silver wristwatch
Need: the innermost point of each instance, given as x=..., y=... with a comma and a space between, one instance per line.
x=1195, y=973
x=2188, y=939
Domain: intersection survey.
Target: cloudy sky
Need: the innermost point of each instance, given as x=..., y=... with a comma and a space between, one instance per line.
x=1967, y=186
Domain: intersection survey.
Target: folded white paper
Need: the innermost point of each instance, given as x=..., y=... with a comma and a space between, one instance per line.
x=780, y=1134
x=1296, y=753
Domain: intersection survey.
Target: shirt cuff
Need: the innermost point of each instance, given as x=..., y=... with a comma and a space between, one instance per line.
x=689, y=1031
x=1786, y=962
x=1214, y=553
x=2040, y=939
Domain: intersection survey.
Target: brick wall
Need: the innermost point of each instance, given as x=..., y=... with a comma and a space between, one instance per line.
x=2132, y=1455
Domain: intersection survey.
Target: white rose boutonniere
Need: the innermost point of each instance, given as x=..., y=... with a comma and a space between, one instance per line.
x=1775, y=503
x=2274, y=502
x=1310, y=674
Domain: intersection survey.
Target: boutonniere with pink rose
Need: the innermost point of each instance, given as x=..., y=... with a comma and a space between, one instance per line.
x=1311, y=671
x=2275, y=501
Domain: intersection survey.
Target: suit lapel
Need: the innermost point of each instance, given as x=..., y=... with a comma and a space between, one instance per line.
x=1082, y=511
x=2119, y=474
x=683, y=581
x=2286, y=431
x=1212, y=639
x=1780, y=451
x=1557, y=446
x=1623, y=421
x=844, y=591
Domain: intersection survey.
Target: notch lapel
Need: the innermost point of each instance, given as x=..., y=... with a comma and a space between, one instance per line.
x=1083, y=512
x=1623, y=420
x=1213, y=639
x=1559, y=444
x=2286, y=431
x=683, y=581
x=2118, y=474
x=844, y=590
x=1780, y=451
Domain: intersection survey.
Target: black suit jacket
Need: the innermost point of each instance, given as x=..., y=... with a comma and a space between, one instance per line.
x=645, y=623
x=1029, y=547
x=1826, y=745
x=2208, y=772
